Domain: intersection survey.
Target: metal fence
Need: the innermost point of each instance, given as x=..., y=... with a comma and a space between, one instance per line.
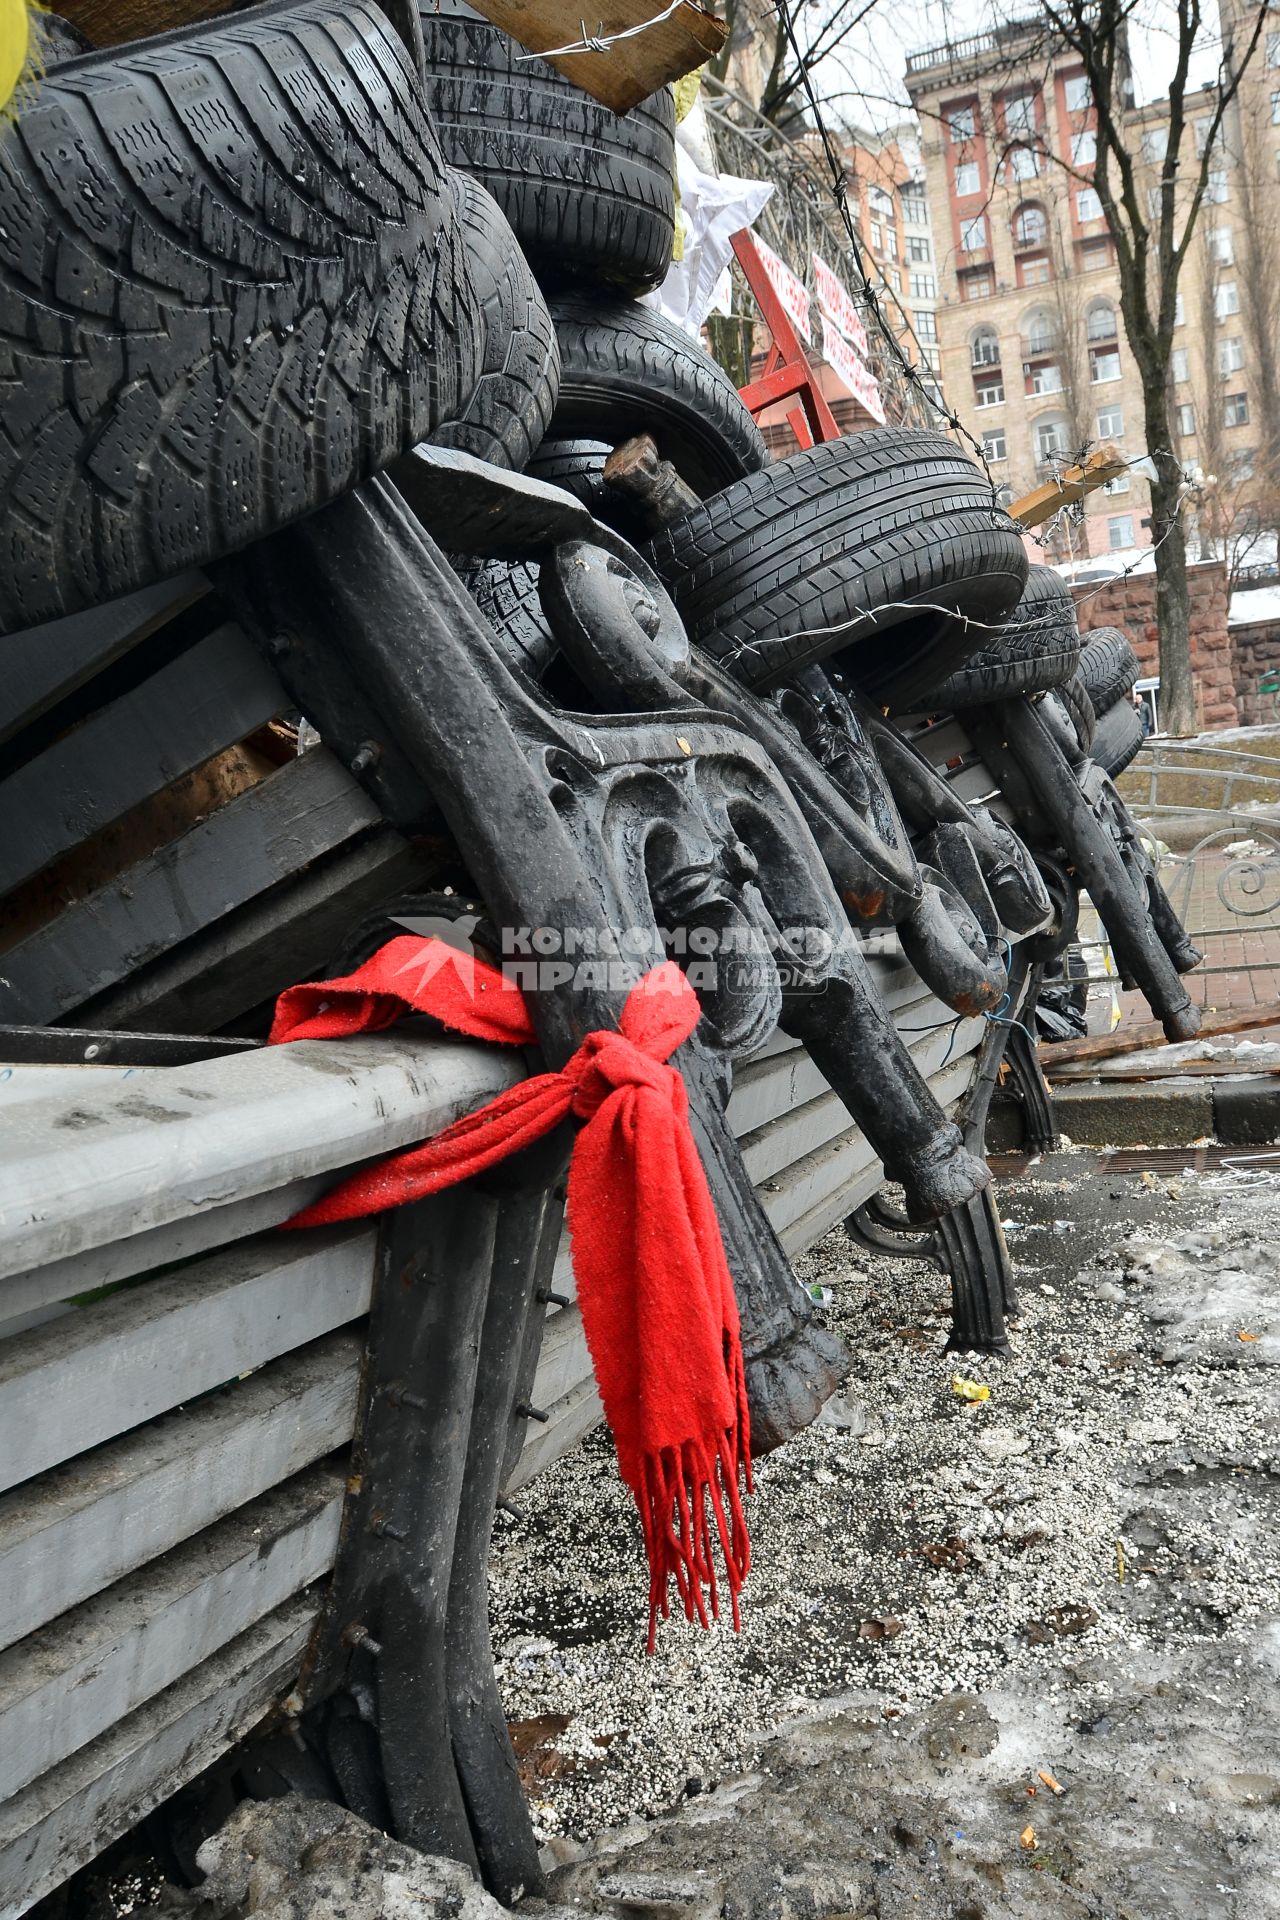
x=1213, y=817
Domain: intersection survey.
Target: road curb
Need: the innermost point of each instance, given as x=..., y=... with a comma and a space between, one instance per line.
x=1239, y=1110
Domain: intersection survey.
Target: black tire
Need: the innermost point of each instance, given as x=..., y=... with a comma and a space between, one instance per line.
x=625, y=369
x=233, y=285
x=590, y=194
x=1079, y=709
x=854, y=546
x=511, y=408
x=1108, y=666
x=1117, y=737
x=1035, y=650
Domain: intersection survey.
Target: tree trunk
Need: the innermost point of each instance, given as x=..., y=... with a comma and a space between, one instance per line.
x=1168, y=537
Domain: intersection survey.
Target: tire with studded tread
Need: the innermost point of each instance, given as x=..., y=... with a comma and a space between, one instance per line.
x=625, y=369
x=1035, y=650
x=590, y=194
x=1117, y=737
x=866, y=547
x=233, y=285
x=1108, y=666
x=510, y=410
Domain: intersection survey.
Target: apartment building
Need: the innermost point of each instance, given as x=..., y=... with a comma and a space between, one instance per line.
x=1032, y=343
x=890, y=203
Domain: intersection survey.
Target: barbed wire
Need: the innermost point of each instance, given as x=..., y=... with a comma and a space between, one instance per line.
x=929, y=392
x=601, y=42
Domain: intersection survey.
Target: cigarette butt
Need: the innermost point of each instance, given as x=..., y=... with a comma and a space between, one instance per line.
x=1054, y=1786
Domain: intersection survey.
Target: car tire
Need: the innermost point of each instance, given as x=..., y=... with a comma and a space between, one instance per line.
x=866, y=547
x=590, y=194
x=1036, y=649
x=625, y=369
x=1108, y=666
x=234, y=285
x=1117, y=737
x=515, y=396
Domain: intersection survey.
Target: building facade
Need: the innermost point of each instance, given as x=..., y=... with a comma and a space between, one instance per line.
x=1032, y=341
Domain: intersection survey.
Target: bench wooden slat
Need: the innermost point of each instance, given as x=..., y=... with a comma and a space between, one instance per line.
x=73, y=1680
x=260, y=838
x=101, y=1372
x=65, y=1819
x=212, y=695
x=76, y=1530
x=45, y=664
x=94, y=1167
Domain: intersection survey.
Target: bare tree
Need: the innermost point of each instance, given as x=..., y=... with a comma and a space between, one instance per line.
x=1151, y=241
x=790, y=42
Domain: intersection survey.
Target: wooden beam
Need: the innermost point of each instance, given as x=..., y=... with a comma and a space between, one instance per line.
x=1034, y=508
x=630, y=70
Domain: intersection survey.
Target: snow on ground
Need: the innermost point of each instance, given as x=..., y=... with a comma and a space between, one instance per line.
x=1115, y=1499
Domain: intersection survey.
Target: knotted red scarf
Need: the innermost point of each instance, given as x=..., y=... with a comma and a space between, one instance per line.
x=657, y=1302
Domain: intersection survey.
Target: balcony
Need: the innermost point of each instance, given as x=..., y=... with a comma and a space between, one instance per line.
x=987, y=355
x=1039, y=346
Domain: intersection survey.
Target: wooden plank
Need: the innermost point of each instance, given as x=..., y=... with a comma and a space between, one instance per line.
x=212, y=695
x=68, y=1816
x=769, y=1086
x=572, y=1419
x=781, y=1142
x=1146, y=1033
x=251, y=955
x=88, y=1377
x=76, y=1530
x=82, y=1172
x=45, y=664
x=627, y=72
x=71, y=1681
x=258, y=839
x=1034, y=508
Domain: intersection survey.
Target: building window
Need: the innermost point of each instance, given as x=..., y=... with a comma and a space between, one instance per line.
x=1046, y=378
x=1039, y=332
x=1120, y=531
x=1101, y=321
x=1110, y=423
x=923, y=286
x=918, y=248
x=1215, y=187
x=1024, y=163
x=894, y=278
x=926, y=325
x=915, y=208
x=973, y=234
x=1230, y=356
x=1178, y=366
x=1095, y=255
x=882, y=204
x=1240, y=465
x=988, y=393
x=1275, y=109
x=1076, y=94
x=1273, y=49
x=1053, y=437
x=1201, y=129
x=1155, y=144
x=1088, y=205
x=1120, y=484
x=1218, y=241
x=1004, y=497
x=1033, y=269
x=1084, y=148
x=993, y=444
x=1104, y=364
x=1178, y=310
x=1186, y=419
x=984, y=348
x=1235, y=410
x=1020, y=113
x=877, y=237
x=968, y=178
x=962, y=122
x=932, y=358
x=977, y=286
x=1030, y=227
x=1226, y=299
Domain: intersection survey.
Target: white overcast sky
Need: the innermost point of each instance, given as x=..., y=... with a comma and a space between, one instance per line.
x=872, y=61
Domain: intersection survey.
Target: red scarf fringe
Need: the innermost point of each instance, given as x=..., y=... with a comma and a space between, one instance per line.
x=657, y=1301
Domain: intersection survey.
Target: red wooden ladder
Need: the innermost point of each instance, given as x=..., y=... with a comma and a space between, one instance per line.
x=786, y=369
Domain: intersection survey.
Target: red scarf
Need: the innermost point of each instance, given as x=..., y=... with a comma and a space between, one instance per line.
x=657, y=1302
